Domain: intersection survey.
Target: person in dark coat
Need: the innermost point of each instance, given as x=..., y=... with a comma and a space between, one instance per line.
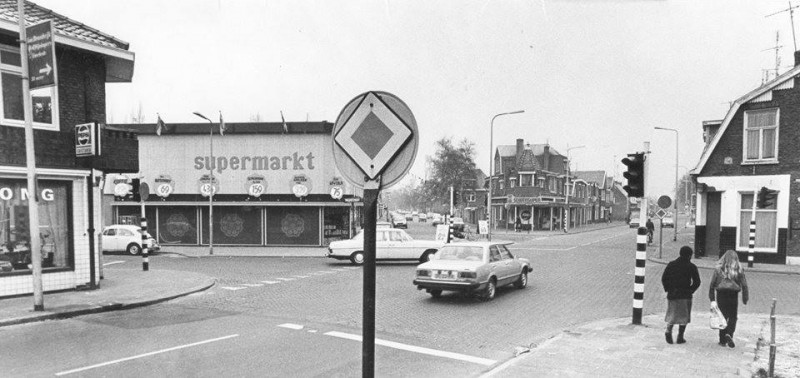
x=650, y=228
x=680, y=280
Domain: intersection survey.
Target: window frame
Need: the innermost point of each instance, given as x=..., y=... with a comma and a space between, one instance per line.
x=740, y=230
x=760, y=158
x=17, y=70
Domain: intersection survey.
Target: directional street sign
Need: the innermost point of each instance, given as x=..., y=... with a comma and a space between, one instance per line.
x=41, y=54
x=375, y=135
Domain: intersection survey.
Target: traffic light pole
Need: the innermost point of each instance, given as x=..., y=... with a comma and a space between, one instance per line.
x=751, y=245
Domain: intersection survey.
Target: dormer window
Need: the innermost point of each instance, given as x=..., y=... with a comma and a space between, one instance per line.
x=513, y=182
x=761, y=135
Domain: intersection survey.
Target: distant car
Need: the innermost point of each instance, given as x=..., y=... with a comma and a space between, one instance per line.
x=668, y=222
x=128, y=238
x=409, y=217
x=390, y=244
x=472, y=267
x=383, y=224
x=436, y=219
x=399, y=221
x=422, y=217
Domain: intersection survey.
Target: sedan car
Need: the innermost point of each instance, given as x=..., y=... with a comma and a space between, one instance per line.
x=390, y=244
x=399, y=221
x=472, y=267
x=668, y=221
x=128, y=238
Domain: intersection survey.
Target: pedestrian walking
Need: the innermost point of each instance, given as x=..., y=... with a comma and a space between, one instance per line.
x=680, y=280
x=726, y=283
x=518, y=225
x=650, y=228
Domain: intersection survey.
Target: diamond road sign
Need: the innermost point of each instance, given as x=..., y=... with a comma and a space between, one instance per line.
x=661, y=213
x=375, y=135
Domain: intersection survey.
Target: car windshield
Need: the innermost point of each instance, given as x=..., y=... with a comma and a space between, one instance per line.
x=460, y=253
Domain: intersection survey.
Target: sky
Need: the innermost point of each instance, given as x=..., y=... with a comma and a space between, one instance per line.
x=593, y=77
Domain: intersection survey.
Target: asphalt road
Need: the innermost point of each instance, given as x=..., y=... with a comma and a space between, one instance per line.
x=302, y=316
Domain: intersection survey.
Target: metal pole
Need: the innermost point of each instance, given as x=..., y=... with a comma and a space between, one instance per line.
x=30, y=162
x=675, y=216
x=772, y=346
x=211, y=184
x=751, y=246
x=491, y=171
x=368, y=333
x=638, y=282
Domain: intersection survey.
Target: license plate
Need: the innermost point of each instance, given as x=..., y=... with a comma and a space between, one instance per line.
x=446, y=274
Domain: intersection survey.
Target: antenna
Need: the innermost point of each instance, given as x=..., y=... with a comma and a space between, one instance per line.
x=777, y=49
x=791, y=18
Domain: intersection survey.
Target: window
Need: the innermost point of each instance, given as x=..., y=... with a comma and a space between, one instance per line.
x=502, y=184
x=513, y=182
x=44, y=100
x=470, y=197
x=766, y=225
x=761, y=135
x=494, y=254
x=540, y=181
x=551, y=184
x=526, y=180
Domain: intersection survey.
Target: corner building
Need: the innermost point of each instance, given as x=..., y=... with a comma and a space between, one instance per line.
x=293, y=166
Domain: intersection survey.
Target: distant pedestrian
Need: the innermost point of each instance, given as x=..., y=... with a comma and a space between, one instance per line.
x=518, y=225
x=680, y=280
x=650, y=228
x=728, y=280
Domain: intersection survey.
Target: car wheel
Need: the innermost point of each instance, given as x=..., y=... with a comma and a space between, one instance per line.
x=134, y=249
x=357, y=258
x=523, y=279
x=427, y=256
x=436, y=293
x=490, y=290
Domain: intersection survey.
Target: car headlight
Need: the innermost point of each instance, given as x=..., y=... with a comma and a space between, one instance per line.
x=423, y=273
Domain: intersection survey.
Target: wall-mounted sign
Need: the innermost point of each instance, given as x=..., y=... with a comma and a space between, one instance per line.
x=87, y=140
x=164, y=186
x=301, y=185
x=208, y=185
x=336, y=187
x=256, y=185
x=525, y=215
x=122, y=185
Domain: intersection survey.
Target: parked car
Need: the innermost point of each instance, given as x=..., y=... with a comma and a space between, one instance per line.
x=422, y=217
x=436, y=219
x=472, y=267
x=390, y=244
x=383, y=224
x=128, y=238
x=399, y=221
x=668, y=222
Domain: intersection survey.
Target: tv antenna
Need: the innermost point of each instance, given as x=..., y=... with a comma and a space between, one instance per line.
x=777, y=49
x=791, y=19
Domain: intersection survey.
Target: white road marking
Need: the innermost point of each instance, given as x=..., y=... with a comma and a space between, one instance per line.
x=284, y=279
x=291, y=326
x=232, y=288
x=144, y=355
x=113, y=263
x=300, y=276
x=271, y=282
x=416, y=349
x=253, y=285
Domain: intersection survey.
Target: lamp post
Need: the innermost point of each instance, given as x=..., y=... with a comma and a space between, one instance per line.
x=675, y=237
x=491, y=171
x=211, y=189
x=567, y=213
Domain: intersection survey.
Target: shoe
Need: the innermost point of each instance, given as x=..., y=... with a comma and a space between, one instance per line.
x=668, y=336
x=722, y=343
x=680, y=340
x=730, y=342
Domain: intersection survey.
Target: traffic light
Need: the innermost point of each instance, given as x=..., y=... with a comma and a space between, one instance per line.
x=635, y=174
x=134, y=195
x=455, y=197
x=766, y=197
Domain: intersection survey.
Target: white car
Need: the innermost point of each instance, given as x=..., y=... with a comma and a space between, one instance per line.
x=390, y=244
x=128, y=238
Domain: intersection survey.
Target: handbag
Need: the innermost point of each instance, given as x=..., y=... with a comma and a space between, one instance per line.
x=715, y=318
x=728, y=284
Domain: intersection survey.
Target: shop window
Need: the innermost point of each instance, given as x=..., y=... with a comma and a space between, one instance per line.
x=337, y=223
x=55, y=209
x=239, y=225
x=293, y=225
x=177, y=225
x=761, y=135
x=44, y=100
x=766, y=225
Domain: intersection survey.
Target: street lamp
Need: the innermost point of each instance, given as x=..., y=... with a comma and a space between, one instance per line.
x=567, y=214
x=491, y=171
x=211, y=189
x=675, y=237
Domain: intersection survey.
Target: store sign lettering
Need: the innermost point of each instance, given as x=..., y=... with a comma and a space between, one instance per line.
x=7, y=194
x=294, y=162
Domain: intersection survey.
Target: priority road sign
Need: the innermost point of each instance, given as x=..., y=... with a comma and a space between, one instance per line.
x=661, y=213
x=375, y=135
x=41, y=50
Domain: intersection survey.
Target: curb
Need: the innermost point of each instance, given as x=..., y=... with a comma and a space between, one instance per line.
x=754, y=270
x=112, y=306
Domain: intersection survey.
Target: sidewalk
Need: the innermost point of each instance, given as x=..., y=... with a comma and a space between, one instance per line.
x=120, y=289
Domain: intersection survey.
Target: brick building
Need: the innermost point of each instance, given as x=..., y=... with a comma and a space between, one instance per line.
x=86, y=59
x=754, y=146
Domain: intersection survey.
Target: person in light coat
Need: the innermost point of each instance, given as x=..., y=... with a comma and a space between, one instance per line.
x=726, y=283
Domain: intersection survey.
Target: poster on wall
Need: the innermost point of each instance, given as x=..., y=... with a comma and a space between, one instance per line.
x=336, y=188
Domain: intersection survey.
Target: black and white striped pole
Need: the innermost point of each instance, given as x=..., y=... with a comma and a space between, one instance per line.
x=145, y=257
x=751, y=245
x=638, y=281
x=450, y=219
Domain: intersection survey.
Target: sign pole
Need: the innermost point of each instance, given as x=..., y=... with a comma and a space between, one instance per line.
x=371, y=193
x=30, y=162
x=751, y=245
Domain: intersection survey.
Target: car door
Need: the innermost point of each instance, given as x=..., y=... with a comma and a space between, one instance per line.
x=382, y=244
x=125, y=237
x=406, y=247
x=511, y=266
x=496, y=263
x=109, y=239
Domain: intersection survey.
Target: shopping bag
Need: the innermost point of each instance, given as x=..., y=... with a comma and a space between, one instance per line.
x=715, y=318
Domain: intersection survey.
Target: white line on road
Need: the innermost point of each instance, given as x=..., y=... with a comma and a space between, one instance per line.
x=253, y=285
x=232, y=288
x=113, y=262
x=416, y=349
x=271, y=282
x=300, y=276
x=284, y=279
x=145, y=355
x=291, y=326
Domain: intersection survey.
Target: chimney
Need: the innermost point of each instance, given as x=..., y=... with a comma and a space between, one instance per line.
x=546, y=157
x=797, y=58
x=520, y=148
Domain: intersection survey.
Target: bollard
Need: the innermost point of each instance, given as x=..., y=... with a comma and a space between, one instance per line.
x=751, y=246
x=450, y=228
x=145, y=258
x=772, y=347
x=638, y=281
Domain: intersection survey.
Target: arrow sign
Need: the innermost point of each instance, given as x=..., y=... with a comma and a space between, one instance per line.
x=41, y=49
